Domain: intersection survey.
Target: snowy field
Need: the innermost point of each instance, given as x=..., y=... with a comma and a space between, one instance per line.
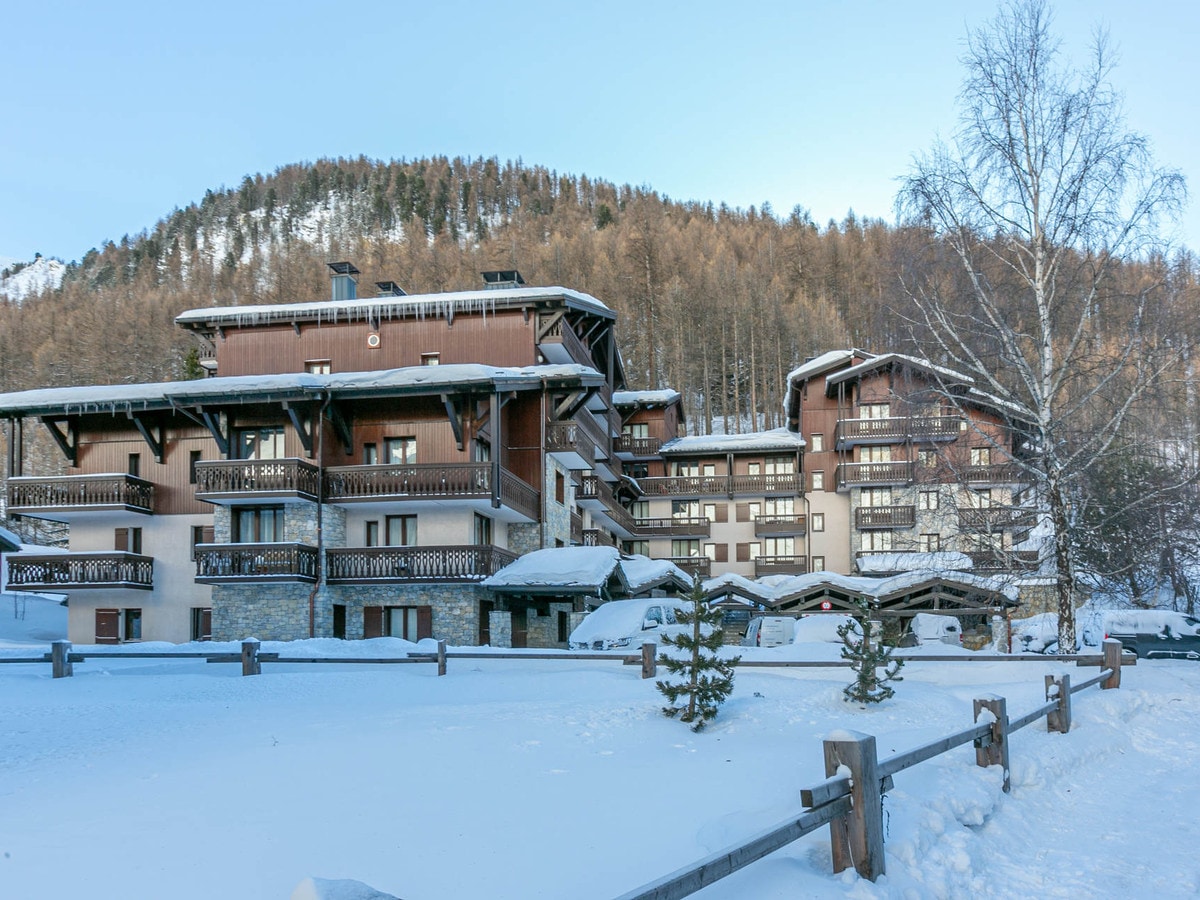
x=169, y=779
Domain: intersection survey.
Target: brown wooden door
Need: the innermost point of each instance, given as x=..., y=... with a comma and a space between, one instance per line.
x=520, y=627
x=372, y=621
x=108, y=626
x=424, y=622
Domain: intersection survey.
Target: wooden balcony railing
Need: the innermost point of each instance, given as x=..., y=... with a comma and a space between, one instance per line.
x=693, y=565
x=462, y=481
x=568, y=437
x=561, y=332
x=855, y=474
x=994, y=475
x=231, y=478
x=1004, y=561
x=67, y=493
x=885, y=517
x=75, y=571
x=717, y=485
x=576, y=528
x=435, y=564
x=786, y=525
x=995, y=518
x=896, y=430
x=780, y=565
x=594, y=537
x=234, y=563
x=637, y=446
x=676, y=526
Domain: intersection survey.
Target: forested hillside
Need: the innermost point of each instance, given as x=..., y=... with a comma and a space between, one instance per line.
x=715, y=302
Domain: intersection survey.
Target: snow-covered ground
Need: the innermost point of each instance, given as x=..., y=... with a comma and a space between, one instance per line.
x=40, y=275
x=169, y=779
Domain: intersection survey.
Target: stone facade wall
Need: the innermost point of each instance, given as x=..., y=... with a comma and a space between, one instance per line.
x=500, y=626
x=524, y=538
x=543, y=630
x=269, y=612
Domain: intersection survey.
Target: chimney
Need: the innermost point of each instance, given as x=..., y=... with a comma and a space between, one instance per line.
x=345, y=286
x=389, y=289
x=507, y=278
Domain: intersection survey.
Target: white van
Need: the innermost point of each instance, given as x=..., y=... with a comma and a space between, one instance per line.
x=770, y=631
x=930, y=628
x=620, y=624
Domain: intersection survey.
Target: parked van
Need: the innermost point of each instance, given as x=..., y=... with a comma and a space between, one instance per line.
x=620, y=624
x=770, y=631
x=930, y=628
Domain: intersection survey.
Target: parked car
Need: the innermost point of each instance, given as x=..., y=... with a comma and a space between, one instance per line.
x=931, y=628
x=620, y=624
x=1156, y=634
x=774, y=631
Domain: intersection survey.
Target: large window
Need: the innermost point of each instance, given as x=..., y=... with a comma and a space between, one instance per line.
x=780, y=546
x=875, y=454
x=780, y=465
x=260, y=443
x=685, y=509
x=682, y=548
x=875, y=410
x=483, y=529
x=257, y=524
x=877, y=541
x=876, y=496
x=409, y=622
x=636, y=430
x=685, y=468
x=400, y=451
x=401, y=531
x=929, y=543
x=780, y=506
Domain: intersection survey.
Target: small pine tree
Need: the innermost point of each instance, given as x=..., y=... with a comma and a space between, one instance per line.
x=699, y=680
x=866, y=659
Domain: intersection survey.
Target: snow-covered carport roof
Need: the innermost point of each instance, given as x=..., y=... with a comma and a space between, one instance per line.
x=586, y=571
x=732, y=585
x=643, y=575
x=9, y=542
x=959, y=592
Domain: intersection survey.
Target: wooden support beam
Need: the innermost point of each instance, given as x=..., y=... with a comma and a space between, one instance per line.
x=341, y=427
x=857, y=838
x=302, y=423
x=212, y=421
x=1112, y=661
x=453, y=414
x=146, y=430
x=570, y=404
x=68, y=442
x=546, y=323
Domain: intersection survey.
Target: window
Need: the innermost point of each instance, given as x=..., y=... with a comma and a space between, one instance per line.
x=709, y=470
x=710, y=511
x=260, y=443
x=201, y=623
x=981, y=456
x=401, y=531
x=482, y=451
x=638, y=470
x=560, y=488
x=431, y=359
x=874, y=410
x=927, y=500
x=779, y=546
x=780, y=465
x=482, y=530
x=201, y=534
x=685, y=468
x=636, y=430
x=754, y=468
x=875, y=454
x=979, y=499
x=128, y=539
x=257, y=524
x=370, y=455
x=929, y=543
x=818, y=564
x=131, y=624
x=717, y=552
x=685, y=509
x=818, y=480
x=877, y=541
x=135, y=464
x=876, y=496
x=193, y=458
x=640, y=509
x=409, y=622
x=400, y=451
x=318, y=366
x=755, y=509
x=638, y=548
x=816, y=443
x=818, y=521
x=780, y=506
x=685, y=548
x=371, y=534
x=926, y=459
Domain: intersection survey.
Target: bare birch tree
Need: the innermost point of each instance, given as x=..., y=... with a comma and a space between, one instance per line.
x=1042, y=195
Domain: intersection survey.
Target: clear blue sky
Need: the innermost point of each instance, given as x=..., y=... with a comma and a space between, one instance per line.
x=115, y=113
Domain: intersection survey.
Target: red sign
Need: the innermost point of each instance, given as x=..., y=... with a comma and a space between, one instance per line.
x=825, y=604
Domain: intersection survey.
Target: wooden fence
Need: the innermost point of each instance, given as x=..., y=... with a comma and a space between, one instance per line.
x=852, y=804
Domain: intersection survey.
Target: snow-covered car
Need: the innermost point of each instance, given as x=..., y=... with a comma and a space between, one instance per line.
x=931, y=628
x=774, y=631
x=1156, y=634
x=622, y=624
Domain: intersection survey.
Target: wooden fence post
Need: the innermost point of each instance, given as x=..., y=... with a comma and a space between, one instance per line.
x=649, y=660
x=250, y=663
x=60, y=659
x=441, y=658
x=1058, y=687
x=994, y=752
x=857, y=839
x=1112, y=660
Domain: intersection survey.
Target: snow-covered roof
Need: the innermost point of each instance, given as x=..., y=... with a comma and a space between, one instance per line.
x=942, y=561
x=899, y=359
x=775, y=590
x=643, y=574
x=411, y=306
x=245, y=388
x=9, y=542
x=645, y=398
x=560, y=570
x=830, y=359
x=756, y=442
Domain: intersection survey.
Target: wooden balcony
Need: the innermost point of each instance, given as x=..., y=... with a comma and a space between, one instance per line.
x=245, y=563
x=458, y=481
x=780, y=565
x=850, y=475
x=629, y=445
x=722, y=485
x=570, y=445
x=768, y=526
x=999, y=475
x=561, y=345
x=693, y=565
x=1004, y=561
x=434, y=564
x=78, y=571
x=995, y=518
x=59, y=497
x=885, y=517
x=576, y=528
x=594, y=537
x=225, y=481
x=896, y=430
x=676, y=526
